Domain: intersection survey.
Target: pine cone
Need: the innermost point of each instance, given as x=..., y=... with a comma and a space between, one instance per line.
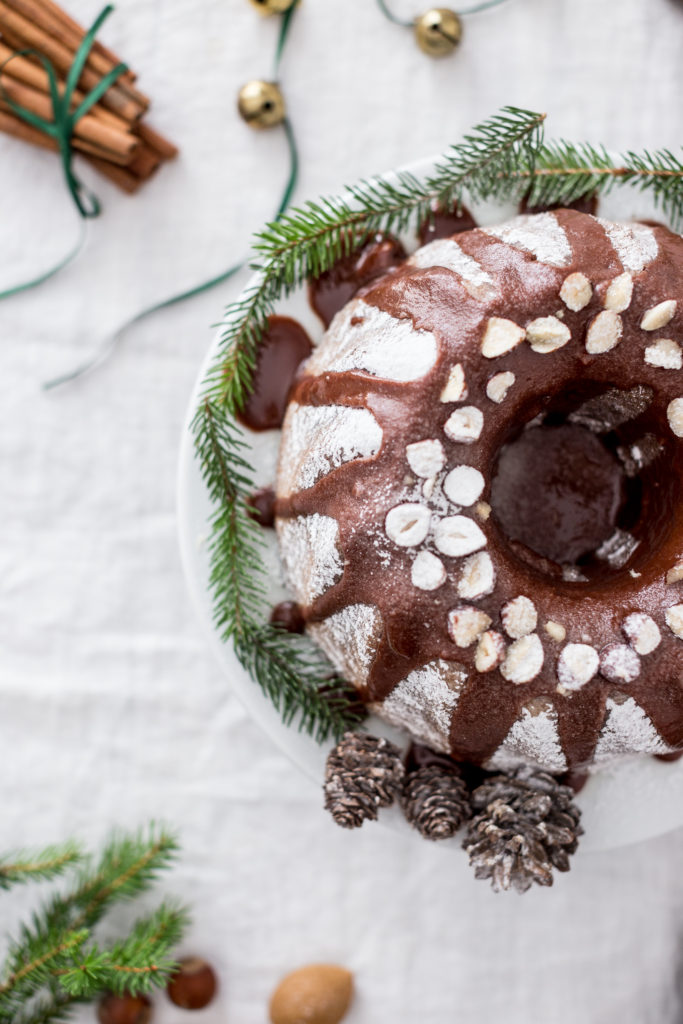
x=528, y=825
x=435, y=800
x=363, y=773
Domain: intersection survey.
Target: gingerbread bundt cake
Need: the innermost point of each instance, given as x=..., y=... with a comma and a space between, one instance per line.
x=479, y=493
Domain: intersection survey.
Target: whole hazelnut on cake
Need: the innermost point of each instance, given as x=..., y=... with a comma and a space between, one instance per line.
x=480, y=493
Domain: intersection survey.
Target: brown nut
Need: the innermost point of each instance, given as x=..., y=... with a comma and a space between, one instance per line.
x=193, y=985
x=317, y=994
x=124, y=1009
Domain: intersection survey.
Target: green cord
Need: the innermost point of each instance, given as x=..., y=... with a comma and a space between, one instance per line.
x=391, y=16
x=61, y=129
x=282, y=39
x=409, y=24
x=110, y=343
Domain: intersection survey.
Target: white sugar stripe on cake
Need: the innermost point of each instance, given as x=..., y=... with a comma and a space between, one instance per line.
x=533, y=739
x=540, y=234
x=424, y=702
x=627, y=730
x=444, y=252
x=349, y=638
x=310, y=552
x=634, y=244
x=365, y=338
x=319, y=439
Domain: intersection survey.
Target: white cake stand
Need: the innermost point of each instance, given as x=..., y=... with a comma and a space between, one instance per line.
x=625, y=803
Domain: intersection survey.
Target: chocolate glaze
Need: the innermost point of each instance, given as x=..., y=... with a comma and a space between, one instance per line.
x=261, y=506
x=283, y=348
x=675, y=755
x=288, y=615
x=331, y=291
x=580, y=486
x=575, y=780
x=587, y=204
x=445, y=223
x=360, y=493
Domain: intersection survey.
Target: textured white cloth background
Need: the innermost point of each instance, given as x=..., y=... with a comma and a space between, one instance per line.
x=111, y=709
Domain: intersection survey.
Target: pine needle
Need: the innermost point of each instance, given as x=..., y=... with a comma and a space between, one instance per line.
x=24, y=867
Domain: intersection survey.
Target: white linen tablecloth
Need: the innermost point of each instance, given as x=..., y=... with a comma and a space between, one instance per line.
x=111, y=709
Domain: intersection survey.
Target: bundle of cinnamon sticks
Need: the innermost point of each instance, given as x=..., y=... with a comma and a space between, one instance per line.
x=113, y=136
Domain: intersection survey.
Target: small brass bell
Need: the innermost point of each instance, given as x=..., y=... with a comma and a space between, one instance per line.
x=438, y=31
x=272, y=6
x=261, y=104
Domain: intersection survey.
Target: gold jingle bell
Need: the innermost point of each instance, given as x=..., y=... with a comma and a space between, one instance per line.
x=272, y=6
x=438, y=31
x=261, y=104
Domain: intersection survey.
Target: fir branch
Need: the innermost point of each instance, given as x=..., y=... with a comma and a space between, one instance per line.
x=52, y=1006
x=52, y=943
x=503, y=158
x=33, y=961
x=23, y=867
x=563, y=172
x=137, y=964
x=308, y=240
x=299, y=682
x=289, y=670
x=128, y=867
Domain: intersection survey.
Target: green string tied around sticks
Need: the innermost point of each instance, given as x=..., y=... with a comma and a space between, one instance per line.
x=61, y=128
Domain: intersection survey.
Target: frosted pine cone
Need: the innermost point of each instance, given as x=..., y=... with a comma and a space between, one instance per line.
x=435, y=801
x=527, y=825
x=363, y=773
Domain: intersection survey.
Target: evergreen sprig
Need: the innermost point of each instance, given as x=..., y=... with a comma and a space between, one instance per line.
x=23, y=867
x=563, y=172
x=505, y=157
x=56, y=962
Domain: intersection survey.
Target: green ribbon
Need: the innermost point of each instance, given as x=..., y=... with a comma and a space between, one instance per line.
x=61, y=129
x=110, y=343
x=475, y=9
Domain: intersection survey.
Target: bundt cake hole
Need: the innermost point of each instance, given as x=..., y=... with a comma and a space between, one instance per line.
x=579, y=491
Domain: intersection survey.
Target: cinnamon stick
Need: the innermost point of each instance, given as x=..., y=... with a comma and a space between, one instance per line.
x=121, y=176
x=145, y=161
x=21, y=32
x=22, y=69
x=68, y=22
x=35, y=75
x=120, y=147
x=51, y=20
x=163, y=147
x=12, y=125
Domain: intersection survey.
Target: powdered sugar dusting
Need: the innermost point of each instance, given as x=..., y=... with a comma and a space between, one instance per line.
x=423, y=703
x=539, y=234
x=635, y=244
x=318, y=439
x=617, y=549
x=350, y=638
x=309, y=547
x=444, y=252
x=627, y=730
x=533, y=739
x=363, y=337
